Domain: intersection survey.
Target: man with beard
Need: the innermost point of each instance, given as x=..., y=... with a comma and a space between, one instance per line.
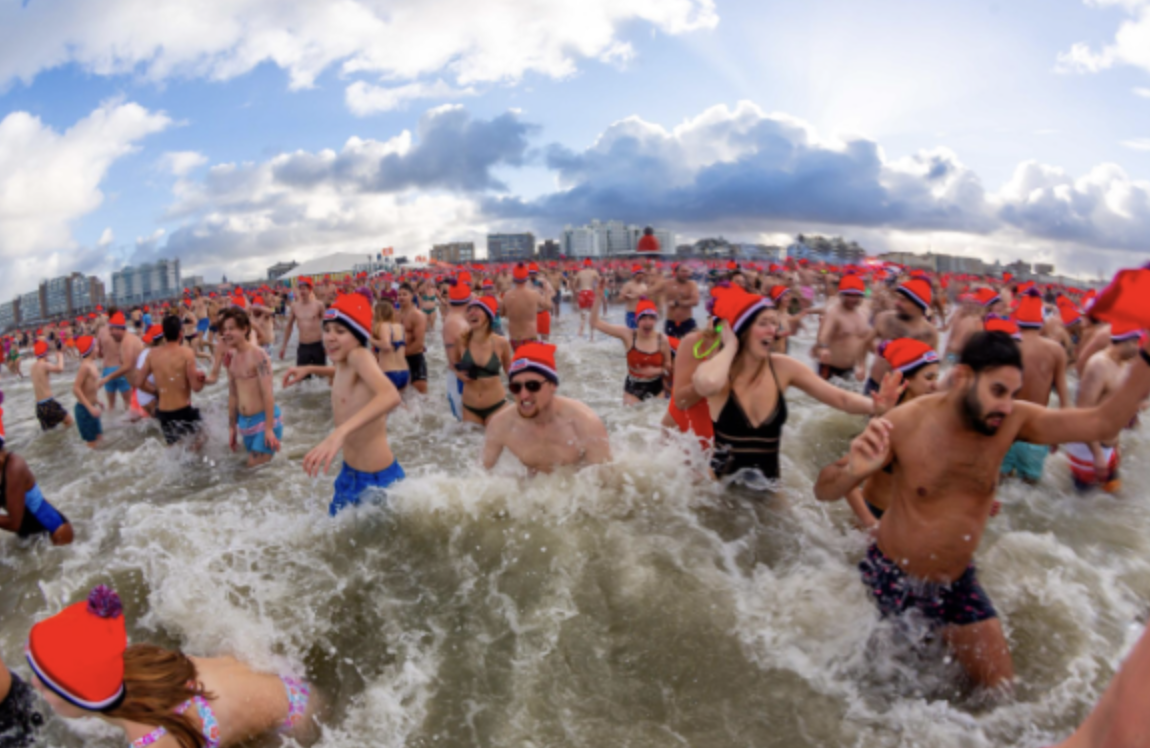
x=944, y=453
x=843, y=335
x=907, y=320
x=682, y=298
x=544, y=430
x=1095, y=463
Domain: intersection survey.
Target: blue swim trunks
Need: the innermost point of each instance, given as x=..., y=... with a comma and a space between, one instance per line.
x=90, y=428
x=632, y=323
x=119, y=384
x=252, y=429
x=1025, y=460
x=399, y=378
x=202, y=325
x=351, y=483
x=39, y=515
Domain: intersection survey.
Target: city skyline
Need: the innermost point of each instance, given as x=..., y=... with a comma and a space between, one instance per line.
x=262, y=131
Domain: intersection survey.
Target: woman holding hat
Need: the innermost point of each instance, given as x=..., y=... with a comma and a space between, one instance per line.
x=83, y=667
x=745, y=385
x=483, y=393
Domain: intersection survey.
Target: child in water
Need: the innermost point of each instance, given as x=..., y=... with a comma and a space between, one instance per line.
x=361, y=398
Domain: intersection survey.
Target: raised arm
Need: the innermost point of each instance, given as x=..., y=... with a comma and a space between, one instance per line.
x=19, y=481
x=1045, y=426
x=616, y=331
x=791, y=372
x=712, y=375
x=870, y=451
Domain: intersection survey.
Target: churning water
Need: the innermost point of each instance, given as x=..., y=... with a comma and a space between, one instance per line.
x=627, y=605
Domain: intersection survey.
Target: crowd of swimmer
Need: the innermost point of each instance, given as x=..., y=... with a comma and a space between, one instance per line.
x=921, y=476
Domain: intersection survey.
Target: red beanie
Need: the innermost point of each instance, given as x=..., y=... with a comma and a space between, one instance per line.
x=907, y=354
x=40, y=349
x=536, y=357
x=777, y=293
x=118, y=320
x=488, y=304
x=1029, y=312
x=519, y=274
x=460, y=294
x=852, y=285
x=354, y=312
x=738, y=307
x=918, y=291
x=79, y=652
x=1120, y=332
x=647, y=308
x=1001, y=324
x=86, y=345
x=987, y=296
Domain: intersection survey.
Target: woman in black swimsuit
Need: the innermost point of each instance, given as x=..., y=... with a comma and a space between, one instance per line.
x=745, y=386
x=479, y=361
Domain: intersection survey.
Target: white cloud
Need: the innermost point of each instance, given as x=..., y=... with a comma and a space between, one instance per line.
x=398, y=40
x=364, y=99
x=49, y=179
x=1138, y=144
x=106, y=238
x=1142, y=92
x=1131, y=45
x=180, y=163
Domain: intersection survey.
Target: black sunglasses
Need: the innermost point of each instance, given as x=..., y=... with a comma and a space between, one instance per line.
x=533, y=386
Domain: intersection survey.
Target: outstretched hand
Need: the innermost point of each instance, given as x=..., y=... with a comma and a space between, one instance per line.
x=889, y=392
x=293, y=376
x=320, y=458
x=868, y=450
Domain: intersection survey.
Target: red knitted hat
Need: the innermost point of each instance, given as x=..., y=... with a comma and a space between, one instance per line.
x=647, y=308
x=738, y=307
x=987, y=296
x=1029, y=311
x=1001, y=324
x=777, y=293
x=536, y=357
x=852, y=285
x=86, y=345
x=519, y=274
x=459, y=295
x=907, y=354
x=354, y=312
x=117, y=320
x=79, y=652
x=1122, y=331
x=153, y=332
x=40, y=349
x=918, y=291
x=488, y=304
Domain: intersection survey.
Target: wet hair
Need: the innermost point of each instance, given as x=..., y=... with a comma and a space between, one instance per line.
x=173, y=330
x=237, y=315
x=990, y=350
x=156, y=681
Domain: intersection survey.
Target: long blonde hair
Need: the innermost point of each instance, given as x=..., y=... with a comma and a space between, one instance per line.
x=156, y=681
x=384, y=311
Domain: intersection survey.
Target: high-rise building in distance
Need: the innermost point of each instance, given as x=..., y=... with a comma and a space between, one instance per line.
x=510, y=247
x=154, y=280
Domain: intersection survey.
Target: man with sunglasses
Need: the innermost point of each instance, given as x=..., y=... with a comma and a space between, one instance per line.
x=544, y=430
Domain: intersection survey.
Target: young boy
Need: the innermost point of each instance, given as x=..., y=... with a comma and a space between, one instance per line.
x=27, y=512
x=252, y=412
x=88, y=408
x=361, y=398
x=49, y=412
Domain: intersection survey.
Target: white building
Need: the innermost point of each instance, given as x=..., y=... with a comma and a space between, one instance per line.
x=7, y=315
x=158, y=280
x=30, y=309
x=606, y=238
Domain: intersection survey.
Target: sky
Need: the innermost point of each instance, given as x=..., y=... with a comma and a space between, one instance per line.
x=234, y=134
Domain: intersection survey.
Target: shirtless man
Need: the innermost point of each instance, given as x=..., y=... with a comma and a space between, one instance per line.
x=119, y=349
x=1043, y=371
x=542, y=286
x=252, y=410
x=176, y=378
x=583, y=287
x=361, y=398
x=49, y=412
x=682, y=295
x=544, y=431
x=967, y=321
x=199, y=309
x=944, y=452
x=84, y=388
x=262, y=319
x=307, y=313
x=634, y=290
x=454, y=325
x=1095, y=463
x=521, y=306
x=844, y=333
x=414, y=332
x=906, y=320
